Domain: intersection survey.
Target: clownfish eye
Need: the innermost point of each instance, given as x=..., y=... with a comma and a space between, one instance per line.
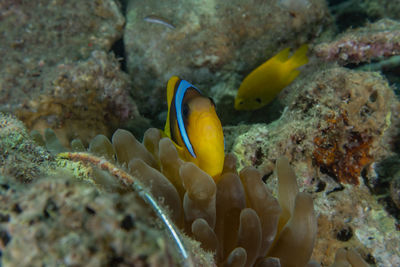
x=185, y=110
x=258, y=100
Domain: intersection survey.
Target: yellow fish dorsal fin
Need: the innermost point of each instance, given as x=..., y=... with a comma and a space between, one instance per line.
x=282, y=56
x=170, y=95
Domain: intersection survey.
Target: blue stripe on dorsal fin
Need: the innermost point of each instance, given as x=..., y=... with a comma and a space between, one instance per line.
x=180, y=93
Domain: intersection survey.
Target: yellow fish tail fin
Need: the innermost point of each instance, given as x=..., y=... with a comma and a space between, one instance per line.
x=299, y=57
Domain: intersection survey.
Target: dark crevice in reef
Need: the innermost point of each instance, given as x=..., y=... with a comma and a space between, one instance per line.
x=119, y=50
x=352, y=19
x=119, y=47
x=123, y=4
x=335, y=2
x=348, y=13
x=344, y=234
x=380, y=187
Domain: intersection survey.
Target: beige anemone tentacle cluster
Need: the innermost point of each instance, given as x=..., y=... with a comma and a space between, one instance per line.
x=237, y=218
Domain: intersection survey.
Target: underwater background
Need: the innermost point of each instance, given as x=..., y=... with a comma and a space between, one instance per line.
x=76, y=191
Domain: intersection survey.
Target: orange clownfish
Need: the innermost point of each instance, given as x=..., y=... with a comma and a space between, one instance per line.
x=194, y=127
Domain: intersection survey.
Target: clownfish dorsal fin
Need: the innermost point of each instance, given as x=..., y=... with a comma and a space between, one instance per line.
x=179, y=95
x=170, y=95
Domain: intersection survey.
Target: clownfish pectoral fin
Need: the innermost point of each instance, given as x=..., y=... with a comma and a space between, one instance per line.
x=179, y=148
x=170, y=95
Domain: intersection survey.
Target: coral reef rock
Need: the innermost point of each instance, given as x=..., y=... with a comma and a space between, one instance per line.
x=45, y=79
x=21, y=157
x=372, y=42
x=59, y=220
x=84, y=98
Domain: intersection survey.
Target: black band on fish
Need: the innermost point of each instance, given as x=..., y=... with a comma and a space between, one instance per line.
x=178, y=100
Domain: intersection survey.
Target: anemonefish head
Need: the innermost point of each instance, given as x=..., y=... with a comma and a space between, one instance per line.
x=194, y=126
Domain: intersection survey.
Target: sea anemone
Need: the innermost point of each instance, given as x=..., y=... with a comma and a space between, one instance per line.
x=237, y=219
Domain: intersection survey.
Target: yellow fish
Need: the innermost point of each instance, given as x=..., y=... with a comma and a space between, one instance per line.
x=262, y=85
x=194, y=127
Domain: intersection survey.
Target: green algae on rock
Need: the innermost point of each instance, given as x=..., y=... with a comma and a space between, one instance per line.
x=20, y=156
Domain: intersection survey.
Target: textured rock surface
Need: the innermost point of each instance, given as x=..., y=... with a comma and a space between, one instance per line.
x=336, y=117
x=338, y=122
x=372, y=42
x=59, y=221
x=353, y=218
x=83, y=99
x=44, y=77
x=210, y=39
x=20, y=157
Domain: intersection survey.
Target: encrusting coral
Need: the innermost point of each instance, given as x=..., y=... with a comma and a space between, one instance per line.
x=237, y=219
x=372, y=42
